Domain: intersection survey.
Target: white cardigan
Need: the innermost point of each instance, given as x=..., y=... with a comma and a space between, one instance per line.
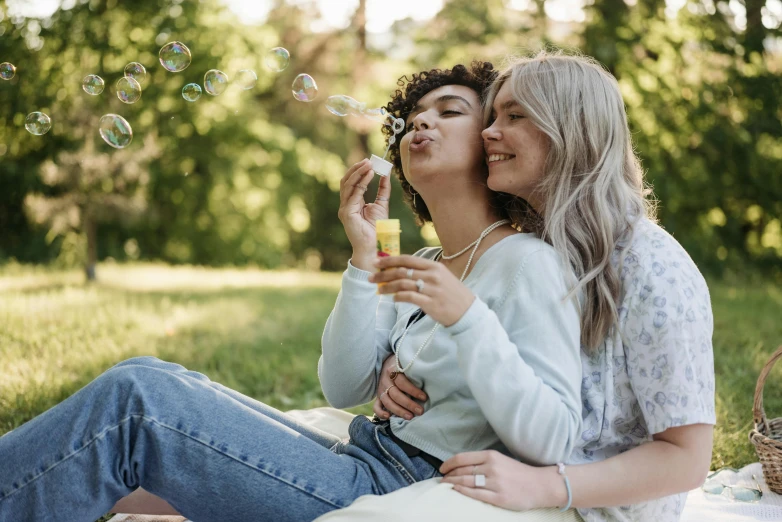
x=506, y=376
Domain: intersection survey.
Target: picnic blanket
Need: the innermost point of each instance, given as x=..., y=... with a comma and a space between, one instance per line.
x=700, y=507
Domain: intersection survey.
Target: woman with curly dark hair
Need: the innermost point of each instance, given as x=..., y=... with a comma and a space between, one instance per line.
x=481, y=324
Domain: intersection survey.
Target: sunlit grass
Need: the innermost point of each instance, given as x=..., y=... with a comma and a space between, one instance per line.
x=259, y=332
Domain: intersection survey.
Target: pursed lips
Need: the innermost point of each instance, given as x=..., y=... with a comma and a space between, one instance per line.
x=419, y=141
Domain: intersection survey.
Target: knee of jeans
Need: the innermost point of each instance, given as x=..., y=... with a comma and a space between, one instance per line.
x=132, y=383
x=142, y=360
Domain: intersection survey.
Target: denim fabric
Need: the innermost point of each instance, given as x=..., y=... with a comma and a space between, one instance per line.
x=209, y=451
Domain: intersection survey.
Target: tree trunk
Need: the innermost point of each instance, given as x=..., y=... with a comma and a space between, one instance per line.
x=90, y=229
x=756, y=32
x=359, y=65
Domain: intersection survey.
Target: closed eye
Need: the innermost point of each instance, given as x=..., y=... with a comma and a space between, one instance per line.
x=451, y=112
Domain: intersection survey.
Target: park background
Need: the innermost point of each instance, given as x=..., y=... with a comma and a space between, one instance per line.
x=214, y=236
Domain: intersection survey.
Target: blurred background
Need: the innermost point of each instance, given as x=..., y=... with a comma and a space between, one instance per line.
x=251, y=177
x=215, y=232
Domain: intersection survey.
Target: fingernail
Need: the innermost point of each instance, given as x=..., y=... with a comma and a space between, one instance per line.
x=376, y=262
x=422, y=397
x=419, y=411
x=408, y=416
x=371, y=279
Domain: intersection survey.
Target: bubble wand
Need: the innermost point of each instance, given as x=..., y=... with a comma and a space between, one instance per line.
x=380, y=165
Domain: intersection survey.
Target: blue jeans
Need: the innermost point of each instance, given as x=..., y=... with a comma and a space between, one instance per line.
x=211, y=452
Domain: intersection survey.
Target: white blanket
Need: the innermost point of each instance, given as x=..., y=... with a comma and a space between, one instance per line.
x=429, y=495
x=431, y=500
x=719, y=508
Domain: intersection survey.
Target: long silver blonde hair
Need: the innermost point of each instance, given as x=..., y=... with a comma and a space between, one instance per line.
x=592, y=188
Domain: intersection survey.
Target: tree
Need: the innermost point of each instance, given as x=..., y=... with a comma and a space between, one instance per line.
x=91, y=188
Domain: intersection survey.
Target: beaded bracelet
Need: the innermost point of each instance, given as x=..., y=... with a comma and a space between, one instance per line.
x=561, y=470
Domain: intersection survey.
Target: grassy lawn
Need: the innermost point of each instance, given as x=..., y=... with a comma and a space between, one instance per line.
x=259, y=333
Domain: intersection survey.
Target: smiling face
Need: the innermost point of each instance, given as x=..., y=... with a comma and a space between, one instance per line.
x=443, y=134
x=516, y=150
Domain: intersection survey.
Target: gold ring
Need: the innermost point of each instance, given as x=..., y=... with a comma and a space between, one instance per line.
x=387, y=390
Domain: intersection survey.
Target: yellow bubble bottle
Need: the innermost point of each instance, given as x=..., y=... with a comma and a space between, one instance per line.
x=388, y=231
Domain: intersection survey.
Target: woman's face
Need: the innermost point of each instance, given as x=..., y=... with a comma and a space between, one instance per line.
x=516, y=149
x=443, y=134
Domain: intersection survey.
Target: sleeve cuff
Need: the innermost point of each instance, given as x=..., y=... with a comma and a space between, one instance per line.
x=356, y=273
x=355, y=283
x=472, y=316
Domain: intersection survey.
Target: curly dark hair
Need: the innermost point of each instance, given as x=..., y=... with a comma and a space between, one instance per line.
x=478, y=76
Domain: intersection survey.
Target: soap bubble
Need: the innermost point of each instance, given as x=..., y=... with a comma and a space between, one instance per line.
x=304, y=88
x=115, y=131
x=37, y=123
x=379, y=115
x=246, y=79
x=215, y=82
x=92, y=84
x=278, y=59
x=7, y=71
x=128, y=90
x=342, y=105
x=191, y=92
x=136, y=71
x=175, y=56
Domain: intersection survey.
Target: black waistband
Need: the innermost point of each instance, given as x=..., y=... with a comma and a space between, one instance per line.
x=409, y=449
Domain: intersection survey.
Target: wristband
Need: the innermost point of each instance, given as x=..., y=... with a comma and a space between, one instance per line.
x=561, y=471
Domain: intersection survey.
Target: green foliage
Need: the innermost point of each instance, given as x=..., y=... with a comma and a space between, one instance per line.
x=250, y=177
x=705, y=113
x=246, y=177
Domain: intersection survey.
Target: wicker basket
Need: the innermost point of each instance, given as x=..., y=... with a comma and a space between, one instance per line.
x=767, y=435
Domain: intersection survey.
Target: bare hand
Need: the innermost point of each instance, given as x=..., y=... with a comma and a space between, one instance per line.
x=357, y=216
x=398, y=400
x=510, y=484
x=443, y=297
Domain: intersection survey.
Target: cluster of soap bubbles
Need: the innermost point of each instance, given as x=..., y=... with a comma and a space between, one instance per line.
x=36, y=123
x=176, y=57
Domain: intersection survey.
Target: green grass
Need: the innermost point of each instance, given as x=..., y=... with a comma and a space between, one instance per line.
x=259, y=333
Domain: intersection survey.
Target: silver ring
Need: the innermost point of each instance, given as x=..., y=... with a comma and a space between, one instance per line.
x=381, y=198
x=410, y=273
x=420, y=285
x=480, y=481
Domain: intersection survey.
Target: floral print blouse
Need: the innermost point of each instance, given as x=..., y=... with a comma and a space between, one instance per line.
x=656, y=371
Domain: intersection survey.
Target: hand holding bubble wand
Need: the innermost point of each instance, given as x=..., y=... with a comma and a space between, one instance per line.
x=387, y=230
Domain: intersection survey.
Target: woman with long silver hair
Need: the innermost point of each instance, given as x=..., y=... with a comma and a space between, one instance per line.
x=557, y=137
